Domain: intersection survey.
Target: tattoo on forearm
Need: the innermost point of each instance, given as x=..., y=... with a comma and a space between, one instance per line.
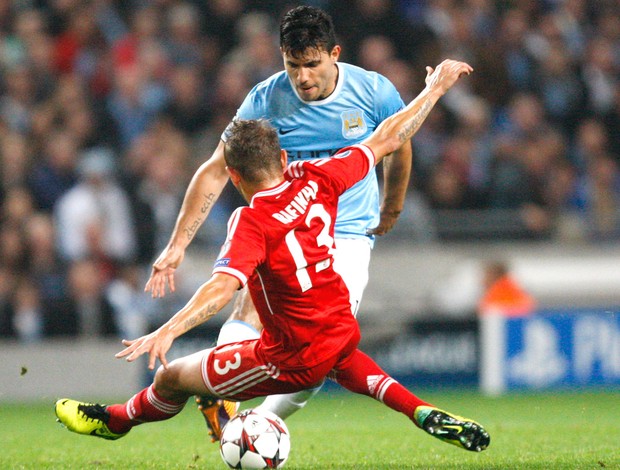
x=207, y=203
x=208, y=200
x=407, y=131
x=191, y=230
x=200, y=316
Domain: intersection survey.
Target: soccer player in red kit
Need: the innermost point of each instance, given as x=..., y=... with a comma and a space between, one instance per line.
x=281, y=246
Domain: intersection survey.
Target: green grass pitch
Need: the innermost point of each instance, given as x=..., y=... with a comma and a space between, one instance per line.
x=338, y=430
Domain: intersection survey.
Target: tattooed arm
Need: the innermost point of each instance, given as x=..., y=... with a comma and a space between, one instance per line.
x=209, y=299
x=204, y=189
x=396, y=172
x=400, y=127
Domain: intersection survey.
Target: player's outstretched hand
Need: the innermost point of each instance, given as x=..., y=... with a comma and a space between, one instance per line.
x=156, y=344
x=446, y=74
x=163, y=271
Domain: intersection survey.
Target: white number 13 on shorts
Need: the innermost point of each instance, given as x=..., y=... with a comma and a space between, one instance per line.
x=228, y=365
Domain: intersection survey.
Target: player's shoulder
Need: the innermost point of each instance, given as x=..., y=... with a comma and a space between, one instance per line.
x=244, y=215
x=277, y=81
x=304, y=168
x=356, y=70
x=355, y=75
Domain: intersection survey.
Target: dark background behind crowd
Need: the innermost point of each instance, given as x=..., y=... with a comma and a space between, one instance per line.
x=108, y=107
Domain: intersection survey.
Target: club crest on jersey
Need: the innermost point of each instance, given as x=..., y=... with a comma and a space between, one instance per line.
x=353, y=123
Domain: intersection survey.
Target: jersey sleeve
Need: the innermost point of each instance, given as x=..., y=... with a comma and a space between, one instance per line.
x=244, y=248
x=345, y=168
x=387, y=99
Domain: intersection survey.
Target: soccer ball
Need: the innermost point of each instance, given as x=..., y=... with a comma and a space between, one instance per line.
x=255, y=439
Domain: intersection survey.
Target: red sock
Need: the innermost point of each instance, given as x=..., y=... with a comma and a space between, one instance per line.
x=144, y=407
x=362, y=375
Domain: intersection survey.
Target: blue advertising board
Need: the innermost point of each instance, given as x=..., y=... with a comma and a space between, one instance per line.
x=552, y=349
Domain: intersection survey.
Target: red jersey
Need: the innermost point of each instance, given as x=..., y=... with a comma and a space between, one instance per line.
x=282, y=244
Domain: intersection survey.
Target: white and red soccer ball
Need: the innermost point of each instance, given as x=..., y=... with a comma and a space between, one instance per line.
x=255, y=439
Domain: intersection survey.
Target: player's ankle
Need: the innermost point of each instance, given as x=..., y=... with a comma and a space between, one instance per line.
x=117, y=423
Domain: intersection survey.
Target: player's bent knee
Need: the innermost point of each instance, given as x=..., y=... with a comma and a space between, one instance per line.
x=182, y=378
x=164, y=381
x=168, y=383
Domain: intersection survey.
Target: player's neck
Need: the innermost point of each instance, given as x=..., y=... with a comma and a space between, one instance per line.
x=248, y=190
x=333, y=85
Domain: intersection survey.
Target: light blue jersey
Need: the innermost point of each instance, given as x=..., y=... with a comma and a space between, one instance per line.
x=316, y=129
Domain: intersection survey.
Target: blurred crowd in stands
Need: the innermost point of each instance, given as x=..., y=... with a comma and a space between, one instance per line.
x=108, y=107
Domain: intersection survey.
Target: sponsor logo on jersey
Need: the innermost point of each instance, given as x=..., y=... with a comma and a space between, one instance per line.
x=353, y=123
x=294, y=155
x=298, y=205
x=286, y=130
x=222, y=262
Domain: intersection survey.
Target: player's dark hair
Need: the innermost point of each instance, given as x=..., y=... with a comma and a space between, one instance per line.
x=253, y=149
x=304, y=28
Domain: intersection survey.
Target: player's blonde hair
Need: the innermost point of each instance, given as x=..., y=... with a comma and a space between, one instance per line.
x=253, y=149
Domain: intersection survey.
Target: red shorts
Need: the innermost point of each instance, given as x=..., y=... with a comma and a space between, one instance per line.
x=236, y=372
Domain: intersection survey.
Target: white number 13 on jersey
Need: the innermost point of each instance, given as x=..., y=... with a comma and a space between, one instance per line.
x=322, y=239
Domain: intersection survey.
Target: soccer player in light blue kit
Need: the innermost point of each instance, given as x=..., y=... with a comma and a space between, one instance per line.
x=318, y=105
x=313, y=129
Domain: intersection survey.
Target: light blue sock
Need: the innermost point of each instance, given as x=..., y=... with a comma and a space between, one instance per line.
x=285, y=405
